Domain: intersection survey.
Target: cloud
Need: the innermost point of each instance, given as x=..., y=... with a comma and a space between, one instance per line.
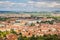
x=11, y=5
x=47, y=0
x=44, y=4
x=28, y=6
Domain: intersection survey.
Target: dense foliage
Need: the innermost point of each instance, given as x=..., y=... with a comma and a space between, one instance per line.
x=20, y=37
x=45, y=37
x=49, y=22
x=3, y=19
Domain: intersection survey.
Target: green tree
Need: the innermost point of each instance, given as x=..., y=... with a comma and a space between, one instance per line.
x=12, y=31
x=32, y=24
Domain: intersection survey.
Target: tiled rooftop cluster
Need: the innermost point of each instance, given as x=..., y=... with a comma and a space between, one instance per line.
x=29, y=27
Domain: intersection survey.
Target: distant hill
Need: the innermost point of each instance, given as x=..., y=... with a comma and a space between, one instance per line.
x=8, y=12
x=13, y=12
x=56, y=11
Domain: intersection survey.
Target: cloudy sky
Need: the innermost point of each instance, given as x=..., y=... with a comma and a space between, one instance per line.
x=29, y=5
